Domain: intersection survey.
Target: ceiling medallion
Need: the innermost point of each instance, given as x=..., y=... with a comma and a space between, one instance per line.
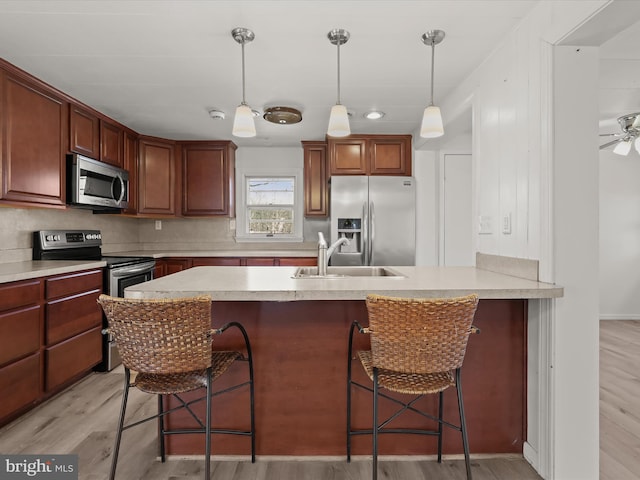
x=282, y=115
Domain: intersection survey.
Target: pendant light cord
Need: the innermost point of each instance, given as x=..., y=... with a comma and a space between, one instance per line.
x=433, y=54
x=243, y=99
x=338, y=103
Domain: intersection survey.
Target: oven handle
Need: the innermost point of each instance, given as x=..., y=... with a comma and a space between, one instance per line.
x=126, y=271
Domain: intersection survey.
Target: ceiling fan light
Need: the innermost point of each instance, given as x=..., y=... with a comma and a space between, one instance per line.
x=339, y=122
x=623, y=148
x=431, y=123
x=243, y=124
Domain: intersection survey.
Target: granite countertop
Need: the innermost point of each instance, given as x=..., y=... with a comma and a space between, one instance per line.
x=278, y=284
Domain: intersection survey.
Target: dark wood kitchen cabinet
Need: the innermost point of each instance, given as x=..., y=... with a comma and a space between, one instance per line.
x=111, y=143
x=94, y=136
x=370, y=155
x=208, y=178
x=130, y=158
x=156, y=177
x=73, y=324
x=21, y=317
x=84, y=131
x=33, y=129
x=316, y=179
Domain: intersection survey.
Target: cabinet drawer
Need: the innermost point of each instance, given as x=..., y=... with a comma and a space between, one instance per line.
x=72, y=315
x=73, y=283
x=18, y=294
x=74, y=356
x=298, y=262
x=217, y=262
x=19, y=384
x=19, y=333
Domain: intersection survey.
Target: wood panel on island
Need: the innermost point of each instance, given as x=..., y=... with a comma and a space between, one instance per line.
x=50, y=336
x=33, y=129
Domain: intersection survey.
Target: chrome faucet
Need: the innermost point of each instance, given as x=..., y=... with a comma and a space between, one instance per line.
x=325, y=252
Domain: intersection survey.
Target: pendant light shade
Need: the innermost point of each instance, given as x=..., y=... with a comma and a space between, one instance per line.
x=243, y=123
x=431, y=123
x=339, y=118
x=339, y=122
x=432, y=119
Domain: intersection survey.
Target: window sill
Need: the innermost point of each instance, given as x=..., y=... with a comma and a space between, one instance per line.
x=264, y=238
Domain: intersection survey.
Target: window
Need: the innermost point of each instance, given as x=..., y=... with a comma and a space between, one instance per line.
x=269, y=204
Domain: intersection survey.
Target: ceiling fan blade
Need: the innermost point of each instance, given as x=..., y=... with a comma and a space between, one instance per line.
x=611, y=134
x=613, y=142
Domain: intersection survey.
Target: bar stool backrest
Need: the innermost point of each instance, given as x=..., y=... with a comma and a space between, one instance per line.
x=161, y=336
x=413, y=335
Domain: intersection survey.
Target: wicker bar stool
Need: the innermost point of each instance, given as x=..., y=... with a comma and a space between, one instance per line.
x=417, y=348
x=168, y=343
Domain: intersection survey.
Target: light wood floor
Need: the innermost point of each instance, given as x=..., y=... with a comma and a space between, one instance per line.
x=619, y=400
x=82, y=421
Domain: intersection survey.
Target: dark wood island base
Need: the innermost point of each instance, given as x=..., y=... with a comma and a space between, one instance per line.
x=300, y=359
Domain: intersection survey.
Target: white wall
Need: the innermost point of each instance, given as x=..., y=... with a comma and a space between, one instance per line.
x=528, y=111
x=425, y=172
x=619, y=235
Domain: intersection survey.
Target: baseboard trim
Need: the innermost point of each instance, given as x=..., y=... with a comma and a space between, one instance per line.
x=629, y=316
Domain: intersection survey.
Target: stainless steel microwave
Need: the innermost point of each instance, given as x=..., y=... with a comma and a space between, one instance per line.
x=96, y=185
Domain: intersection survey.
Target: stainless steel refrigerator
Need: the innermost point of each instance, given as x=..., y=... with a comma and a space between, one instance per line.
x=378, y=216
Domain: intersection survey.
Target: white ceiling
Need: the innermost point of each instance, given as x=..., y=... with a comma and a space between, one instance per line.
x=160, y=66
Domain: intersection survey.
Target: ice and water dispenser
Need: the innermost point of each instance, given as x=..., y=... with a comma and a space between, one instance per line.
x=351, y=229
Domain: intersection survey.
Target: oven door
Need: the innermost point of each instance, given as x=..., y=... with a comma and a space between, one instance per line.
x=119, y=278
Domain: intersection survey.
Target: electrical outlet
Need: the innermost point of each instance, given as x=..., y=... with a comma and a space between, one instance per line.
x=158, y=224
x=484, y=225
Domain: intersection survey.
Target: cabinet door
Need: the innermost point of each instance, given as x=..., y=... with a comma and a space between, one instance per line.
x=390, y=155
x=34, y=120
x=298, y=261
x=217, y=262
x=84, y=132
x=160, y=270
x=156, y=177
x=20, y=385
x=130, y=159
x=208, y=179
x=348, y=156
x=173, y=265
x=260, y=261
x=316, y=177
x=68, y=359
x=111, y=143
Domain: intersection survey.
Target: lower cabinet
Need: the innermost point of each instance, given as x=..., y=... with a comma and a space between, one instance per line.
x=167, y=266
x=50, y=335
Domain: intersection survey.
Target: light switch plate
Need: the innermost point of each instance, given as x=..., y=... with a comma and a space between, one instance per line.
x=506, y=224
x=484, y=225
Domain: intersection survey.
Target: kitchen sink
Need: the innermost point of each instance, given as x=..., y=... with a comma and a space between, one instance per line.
x=342, y=272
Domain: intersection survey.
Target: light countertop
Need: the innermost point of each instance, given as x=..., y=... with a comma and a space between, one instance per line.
x=13, y=272
x=278, y=284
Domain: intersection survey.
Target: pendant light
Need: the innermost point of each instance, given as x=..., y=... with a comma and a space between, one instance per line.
x=243, y=124
x=339, y=119
x=431, y=119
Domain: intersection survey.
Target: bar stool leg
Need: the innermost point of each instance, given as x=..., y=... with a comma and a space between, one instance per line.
x=161, y=428
x=207, y=430
x=440, y=401
x=123, y=409
x=375, y=425
x=463, y=425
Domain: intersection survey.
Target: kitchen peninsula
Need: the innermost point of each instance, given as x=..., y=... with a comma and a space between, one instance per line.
x=299, y=333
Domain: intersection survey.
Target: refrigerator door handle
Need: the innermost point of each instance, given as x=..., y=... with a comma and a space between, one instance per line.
x=365, y=234
x=372, y=232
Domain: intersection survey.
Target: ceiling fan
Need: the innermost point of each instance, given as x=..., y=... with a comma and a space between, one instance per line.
x=630, y=125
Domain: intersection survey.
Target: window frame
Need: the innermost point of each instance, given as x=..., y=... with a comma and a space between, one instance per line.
x=242, y=174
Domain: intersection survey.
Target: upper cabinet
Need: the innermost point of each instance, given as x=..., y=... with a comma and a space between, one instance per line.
x=208, y=178
x=33, y=125
x=130, y=163
x=370, y=155
x=156, y=177
x=316, y=179
x=111, y=143
x=84, y=132
x=95, y=137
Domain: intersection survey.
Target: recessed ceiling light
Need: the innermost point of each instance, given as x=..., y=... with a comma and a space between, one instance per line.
x=374, y=115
